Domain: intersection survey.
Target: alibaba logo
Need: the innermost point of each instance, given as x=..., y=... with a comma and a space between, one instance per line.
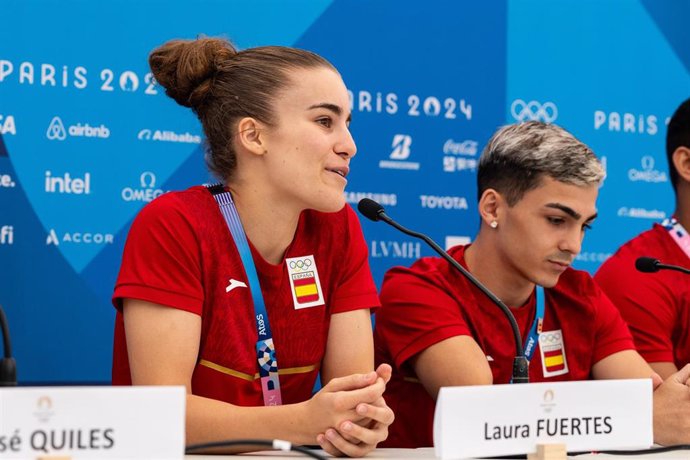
x=144, y=135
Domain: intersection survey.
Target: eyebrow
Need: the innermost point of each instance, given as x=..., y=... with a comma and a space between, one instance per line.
x=570, y=211
x=336, y=109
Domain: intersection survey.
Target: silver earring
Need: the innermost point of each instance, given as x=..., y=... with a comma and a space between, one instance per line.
x=493, y=224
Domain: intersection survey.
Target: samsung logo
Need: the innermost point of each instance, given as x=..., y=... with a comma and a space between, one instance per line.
x=384, y=199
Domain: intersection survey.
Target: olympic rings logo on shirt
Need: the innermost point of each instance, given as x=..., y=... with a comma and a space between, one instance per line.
x=300, y=264
x=533, y=111
x=550, y=337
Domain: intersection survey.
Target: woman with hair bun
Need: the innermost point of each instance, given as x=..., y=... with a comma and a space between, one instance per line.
x=244, y=292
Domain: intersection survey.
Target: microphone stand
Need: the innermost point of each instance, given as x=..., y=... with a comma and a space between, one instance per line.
x=8, y=367
x=520, y=362
x=674, y=267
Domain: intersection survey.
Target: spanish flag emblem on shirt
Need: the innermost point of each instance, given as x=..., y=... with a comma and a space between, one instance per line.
x=552, y=349
x=304, y=282
x=553, y=360
x=306, y=289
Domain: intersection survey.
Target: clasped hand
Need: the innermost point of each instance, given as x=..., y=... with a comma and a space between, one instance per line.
x=352, y=415
x=672, y=408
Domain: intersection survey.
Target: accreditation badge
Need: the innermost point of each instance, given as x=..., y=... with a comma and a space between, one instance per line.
x=552, y=349
x=304, y=282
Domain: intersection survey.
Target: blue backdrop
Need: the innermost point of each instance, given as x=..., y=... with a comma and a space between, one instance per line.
x=86, y=137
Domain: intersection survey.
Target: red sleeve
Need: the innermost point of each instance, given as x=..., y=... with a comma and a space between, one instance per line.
x=646, y=304
x=418, y=312
x=611, y=333
x=356, y=289
x=161, y=262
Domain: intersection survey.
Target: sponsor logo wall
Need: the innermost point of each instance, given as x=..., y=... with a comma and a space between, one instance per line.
x=87, y=138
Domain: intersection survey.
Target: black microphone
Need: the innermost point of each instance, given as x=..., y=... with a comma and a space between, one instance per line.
x=8, y=368
x=374, y=211
x=651, y=265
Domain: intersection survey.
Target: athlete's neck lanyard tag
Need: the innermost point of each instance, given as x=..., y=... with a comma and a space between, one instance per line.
x=678, y=234
x=265, y=349
x=535, y=330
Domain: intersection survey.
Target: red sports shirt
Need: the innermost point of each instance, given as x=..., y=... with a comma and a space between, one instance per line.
x=430, y=302
x=655, y=305
x=180, y=254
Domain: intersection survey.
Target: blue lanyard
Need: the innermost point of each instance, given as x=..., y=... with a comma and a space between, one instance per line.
x=533, y=337
x=265, y=349
x=678, y=233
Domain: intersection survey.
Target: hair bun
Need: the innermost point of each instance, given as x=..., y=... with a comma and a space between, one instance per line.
x=185, y=68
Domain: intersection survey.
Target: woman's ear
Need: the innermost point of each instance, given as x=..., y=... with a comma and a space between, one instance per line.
x=250, y=135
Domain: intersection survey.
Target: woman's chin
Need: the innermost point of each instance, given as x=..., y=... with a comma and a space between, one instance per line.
x=333, y=205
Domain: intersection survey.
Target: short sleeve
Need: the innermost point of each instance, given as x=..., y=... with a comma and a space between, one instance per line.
x=355, y=288
x=645, y=303
x=612, y=334
x=161, y=259
x=418, y=312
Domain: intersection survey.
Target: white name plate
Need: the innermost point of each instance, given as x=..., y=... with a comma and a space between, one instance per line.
x=92, y=422
x=481, y=421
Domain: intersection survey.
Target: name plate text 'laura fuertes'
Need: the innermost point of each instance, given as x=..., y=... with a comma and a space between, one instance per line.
x=490, y=420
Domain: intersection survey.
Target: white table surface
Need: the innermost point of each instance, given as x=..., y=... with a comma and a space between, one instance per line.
x=428, y=453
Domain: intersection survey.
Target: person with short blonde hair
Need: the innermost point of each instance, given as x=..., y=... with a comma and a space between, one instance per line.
x=537, y=187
